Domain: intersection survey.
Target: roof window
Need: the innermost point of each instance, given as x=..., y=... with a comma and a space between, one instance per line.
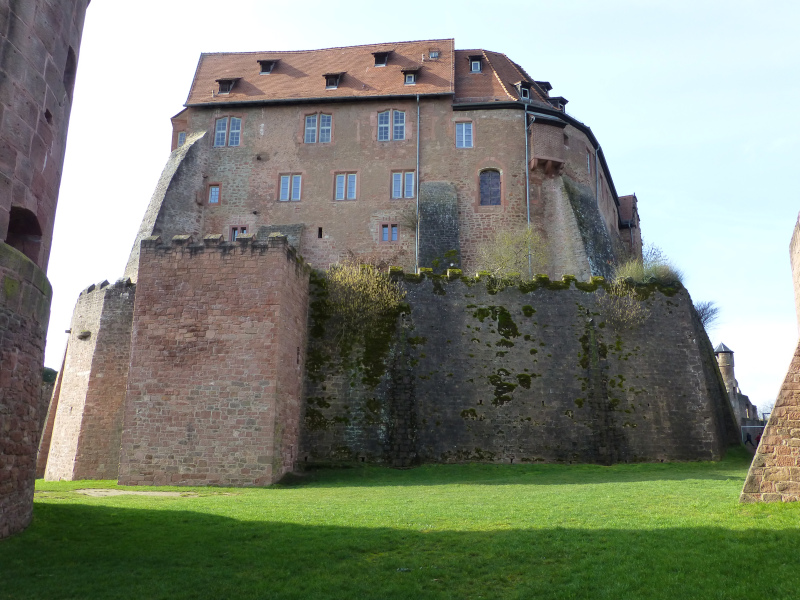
x=475, y=63
x=410, y=75
x=332, y=80
x=381, y=58
x=267, y=66
x=433, y=54
x=558, y=102
x=524, y=89
x=226, y=85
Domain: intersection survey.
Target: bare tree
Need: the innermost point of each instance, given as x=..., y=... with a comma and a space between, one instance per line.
x=708, y=311
x=521, y=252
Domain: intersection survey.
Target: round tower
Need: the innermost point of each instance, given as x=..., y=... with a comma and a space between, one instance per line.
x=725, y=361
x=39, y=43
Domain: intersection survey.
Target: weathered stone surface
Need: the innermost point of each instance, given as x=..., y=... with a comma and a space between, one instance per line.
x=511, y=376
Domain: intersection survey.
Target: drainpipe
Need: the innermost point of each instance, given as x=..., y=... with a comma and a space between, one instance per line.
x=596, y=178
x=416, y=235
x=528, y=184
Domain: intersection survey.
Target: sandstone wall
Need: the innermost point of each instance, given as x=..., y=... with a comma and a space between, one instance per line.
x=538, y=374
x=794, y=257
x=775, y=472
x=25, y=297
x=217, y=355
x=88, y=422
x=39, y=47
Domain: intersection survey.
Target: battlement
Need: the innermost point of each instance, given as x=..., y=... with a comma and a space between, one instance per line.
x=247, y=244
x=120, y=284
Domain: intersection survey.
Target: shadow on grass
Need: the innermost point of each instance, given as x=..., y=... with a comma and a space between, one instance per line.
x=733, y=466
x=78, y=551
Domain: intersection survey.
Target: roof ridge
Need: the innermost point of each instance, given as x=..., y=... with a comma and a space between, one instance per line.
x=329, y=48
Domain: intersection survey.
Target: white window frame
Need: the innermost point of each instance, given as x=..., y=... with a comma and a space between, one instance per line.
x=291, y=187
x=234, y=129
x=395, y=123
x=524, y=93
x=310, y=135
x=325, y=131
x=474, y=66
x=398, y=124
x=403, y=184
x=345, y=186
x=411, y=79
x=464, y=135
x=220, y=133
x=433, y=54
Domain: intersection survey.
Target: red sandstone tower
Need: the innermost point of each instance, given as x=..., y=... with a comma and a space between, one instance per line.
x=38, y=59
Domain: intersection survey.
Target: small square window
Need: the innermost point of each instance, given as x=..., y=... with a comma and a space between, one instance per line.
x=267, y=66
x=381, y=58
x=332, y=80
x=475, y=66
x=226, y=85
x=463, y=135
x=236, y=232
x=389, y=232
x=181, y=138
x=411, y=78
x=213, y=194
x=433, y=54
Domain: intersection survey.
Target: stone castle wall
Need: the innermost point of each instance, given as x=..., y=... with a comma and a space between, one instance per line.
x=518, y=376
x=39, y=46
x=217, y=356
x=794, y=258
x=88, y=412
x=25, y=297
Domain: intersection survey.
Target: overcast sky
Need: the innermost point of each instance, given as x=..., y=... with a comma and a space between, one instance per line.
x=695, y=103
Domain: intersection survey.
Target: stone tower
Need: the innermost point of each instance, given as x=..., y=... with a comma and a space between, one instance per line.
x=39, y=49
x=746, y=412
x=725, y=361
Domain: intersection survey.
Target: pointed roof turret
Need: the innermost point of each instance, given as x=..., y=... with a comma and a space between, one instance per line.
x=722, y=348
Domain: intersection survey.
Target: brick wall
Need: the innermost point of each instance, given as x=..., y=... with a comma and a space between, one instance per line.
x=217, y=356
x=24, y=313
x=540, y=375
x=39, y=43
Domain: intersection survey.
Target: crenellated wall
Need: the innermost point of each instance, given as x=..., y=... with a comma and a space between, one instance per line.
x=87, y=426
x=217, y=356
x=535, y=372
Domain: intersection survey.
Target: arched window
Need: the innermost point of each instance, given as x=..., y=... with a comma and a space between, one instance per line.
x=490, y=188
x=24, y=232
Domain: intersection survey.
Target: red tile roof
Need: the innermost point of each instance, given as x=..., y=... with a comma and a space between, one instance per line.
x=301, y=74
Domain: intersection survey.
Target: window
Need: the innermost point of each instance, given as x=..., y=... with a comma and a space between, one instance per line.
x=311, y=130
x=213, y=194
x=236, y=129
x=319, y=233
x=433, y=54
x=381, y=58
x=391, y=125
x=524, y=93
x=464, y=135
x=389, y=232
x=225, y=137
x=318, y=127
x=181, y=138
x=403, y=184
x=474, y=65
x=237, y=231
x=332, y=80
x=411, y=78
x=226, y=85
x=267, y=66
x=490, y=188
x=588, y=162
x=345, y=186
x=291, y=188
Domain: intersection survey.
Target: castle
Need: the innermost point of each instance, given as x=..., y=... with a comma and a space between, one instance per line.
x=210, y=360
x=39, y=47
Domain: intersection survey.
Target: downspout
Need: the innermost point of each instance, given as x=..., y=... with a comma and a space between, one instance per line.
x=528, y=185
x=596, y=178
x=416, y=235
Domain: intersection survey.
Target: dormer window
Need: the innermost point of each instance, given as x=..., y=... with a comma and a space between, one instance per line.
x=558, y=102
x=267, y=66
x=226, y=85
x=524, y=89
x=410, y=76
x=433, y=54
x=475, y=64
x=381, y=58
x=332, y=80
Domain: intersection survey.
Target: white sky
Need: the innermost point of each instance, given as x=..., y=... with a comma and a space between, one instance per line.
x=696, y=104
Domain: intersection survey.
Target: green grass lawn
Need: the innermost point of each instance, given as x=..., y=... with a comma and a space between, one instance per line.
x=673, y=531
